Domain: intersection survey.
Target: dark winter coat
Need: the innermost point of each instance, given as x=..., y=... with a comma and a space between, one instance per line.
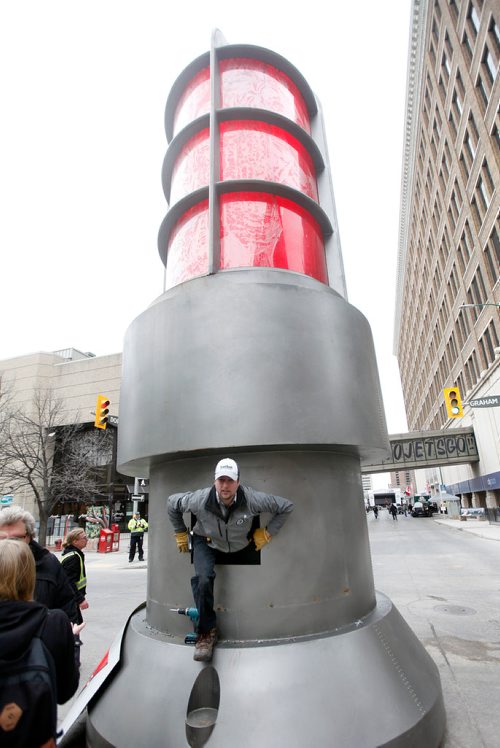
x=52, y=586
x=19, y=623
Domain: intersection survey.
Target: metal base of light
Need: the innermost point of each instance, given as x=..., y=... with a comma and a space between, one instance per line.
x=369, y=684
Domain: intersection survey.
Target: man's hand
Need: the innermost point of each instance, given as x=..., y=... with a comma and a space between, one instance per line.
x=84, y=605
x=261, y=537
x=181, y=538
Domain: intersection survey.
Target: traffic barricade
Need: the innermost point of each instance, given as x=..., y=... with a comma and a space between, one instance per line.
x=105, y=541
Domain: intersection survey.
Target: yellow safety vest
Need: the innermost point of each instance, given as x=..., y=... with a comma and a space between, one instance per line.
x=138, y=526
x=82, y=582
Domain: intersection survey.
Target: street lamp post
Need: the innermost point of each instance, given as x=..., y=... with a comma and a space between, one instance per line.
x=469, y=306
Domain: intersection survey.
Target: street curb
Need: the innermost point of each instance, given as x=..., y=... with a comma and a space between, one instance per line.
x=490, y=532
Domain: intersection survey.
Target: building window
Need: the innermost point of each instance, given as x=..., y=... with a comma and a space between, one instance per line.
x=453, y=347
x=454, y=9
x=452, y=122
x=427, y=102
x=455, y=205
x=446, y=67
x=460, y=382
x=473, y=21
x=484, y=89
x=484, y=189
x=473, y=135
x=476, y=214
x=465, y=247
x=436, y=216
x=457, y=105
x=492, y=257
x=447, y=154
x=436, y=133
x=434, y=41
x=432, y=52
x=464, y=327
x=490, y=64
x=444, y=248
x=454, y=281
x=488, y=343
x=477, y=293
x=469, y=47
x=496, y=135
x=494, y=34
x=471, y=370
x=436, y=283
x=445, y=165
x=468, y=154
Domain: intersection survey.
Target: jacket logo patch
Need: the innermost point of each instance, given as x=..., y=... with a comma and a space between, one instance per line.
x=10, y=716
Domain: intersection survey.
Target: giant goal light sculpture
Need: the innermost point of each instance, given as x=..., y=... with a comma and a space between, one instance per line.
x=253, y=351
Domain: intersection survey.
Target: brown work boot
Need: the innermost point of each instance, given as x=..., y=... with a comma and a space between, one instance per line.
x=204, y=647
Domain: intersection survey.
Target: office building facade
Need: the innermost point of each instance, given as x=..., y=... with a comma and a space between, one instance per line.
x=447, y=321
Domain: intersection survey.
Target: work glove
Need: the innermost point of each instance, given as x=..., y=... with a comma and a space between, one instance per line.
x=261, y=537
x=181, y=538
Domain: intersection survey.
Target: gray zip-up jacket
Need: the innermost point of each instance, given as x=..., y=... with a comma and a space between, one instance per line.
x=233, y=532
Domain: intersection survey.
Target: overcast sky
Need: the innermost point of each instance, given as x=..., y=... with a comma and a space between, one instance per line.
x=83, y=92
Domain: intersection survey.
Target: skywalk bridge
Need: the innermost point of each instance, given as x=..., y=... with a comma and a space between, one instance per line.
x=423, y=449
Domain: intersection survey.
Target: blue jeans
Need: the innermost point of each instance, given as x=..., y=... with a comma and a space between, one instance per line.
x=202, y=583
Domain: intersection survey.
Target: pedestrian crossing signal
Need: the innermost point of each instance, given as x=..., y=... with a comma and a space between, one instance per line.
x=453, y=402
x=101, y=412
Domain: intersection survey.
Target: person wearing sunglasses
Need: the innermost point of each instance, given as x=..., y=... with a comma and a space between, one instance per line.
x=52, y=586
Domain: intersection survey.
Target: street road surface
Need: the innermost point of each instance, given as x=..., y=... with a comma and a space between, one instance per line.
x=445, y=583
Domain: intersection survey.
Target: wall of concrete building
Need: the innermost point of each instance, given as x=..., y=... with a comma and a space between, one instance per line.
x=76, y=382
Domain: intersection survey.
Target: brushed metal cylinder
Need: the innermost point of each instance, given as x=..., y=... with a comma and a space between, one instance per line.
x=314, y=576
x=370, y=684
x=247, y=359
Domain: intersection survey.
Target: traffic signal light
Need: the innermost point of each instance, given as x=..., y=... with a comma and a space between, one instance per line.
x=101, y=412
x=453, y=402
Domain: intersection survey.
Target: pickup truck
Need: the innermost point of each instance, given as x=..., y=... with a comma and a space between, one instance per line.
x=424, y=509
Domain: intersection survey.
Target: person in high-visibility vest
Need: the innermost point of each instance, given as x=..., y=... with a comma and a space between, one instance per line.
x=137, y=527
x=73, y=562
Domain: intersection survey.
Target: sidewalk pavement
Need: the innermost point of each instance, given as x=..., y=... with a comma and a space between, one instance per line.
x=112, y=559
x=474, y=526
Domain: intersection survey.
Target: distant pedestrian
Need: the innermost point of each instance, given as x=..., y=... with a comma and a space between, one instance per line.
x=375, y=511
x=394, y=511
x=137, y=527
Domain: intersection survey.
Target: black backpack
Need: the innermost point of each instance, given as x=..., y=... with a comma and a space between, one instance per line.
x=28, y=709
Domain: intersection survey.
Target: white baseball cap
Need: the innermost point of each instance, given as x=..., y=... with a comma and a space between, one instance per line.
x=227, y=467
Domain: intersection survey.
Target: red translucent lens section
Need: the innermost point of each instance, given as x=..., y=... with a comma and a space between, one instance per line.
x=192, y=167
x=252, y=83
x=263, y=230
x=188, y=246
x=256, y=229
x=195, y=100
x=256, y=150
